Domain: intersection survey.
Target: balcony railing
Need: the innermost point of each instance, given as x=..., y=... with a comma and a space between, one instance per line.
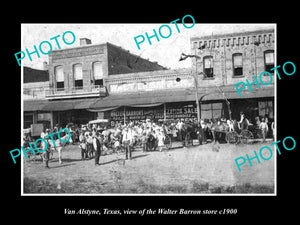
x=52, y=93
x=91, y=91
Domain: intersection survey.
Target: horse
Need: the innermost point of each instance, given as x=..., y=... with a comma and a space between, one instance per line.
x=58, y=145
x=218, y=128
x=151, y=142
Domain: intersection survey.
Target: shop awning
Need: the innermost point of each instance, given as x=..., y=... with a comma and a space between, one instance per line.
x=148, y=99
x=63, y=105
x=34, y=105
x=58, y=105
x=143, y=99
x=231, y=93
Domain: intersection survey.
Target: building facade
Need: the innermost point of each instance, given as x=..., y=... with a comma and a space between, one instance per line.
x=219, y=62
x=75, y=77
x=138, y=89
x=231, y=58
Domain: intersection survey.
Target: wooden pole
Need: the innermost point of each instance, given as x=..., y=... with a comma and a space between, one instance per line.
x=124, y=112
x=165, y=112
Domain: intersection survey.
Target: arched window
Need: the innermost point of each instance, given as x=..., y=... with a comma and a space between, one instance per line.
x=208, y=66
x=77, y=74
x=59, y=77
x=97, y=73
x=237, y=61
x=269, y=60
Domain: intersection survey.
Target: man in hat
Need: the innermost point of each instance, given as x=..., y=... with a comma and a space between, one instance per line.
x=179, y=127
x=97, y=143
x=127, y=141
x=89, y=143
x=243, y=123
x=200, y=133
x=82, y=146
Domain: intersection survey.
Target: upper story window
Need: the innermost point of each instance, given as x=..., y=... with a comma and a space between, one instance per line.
x=269, y=60
x=237, y=60
x=77, y=73
x=208, y=66
x=97, y=73
x=59, y=77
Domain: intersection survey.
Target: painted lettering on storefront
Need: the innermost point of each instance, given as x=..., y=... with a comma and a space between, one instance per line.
x=189, y=111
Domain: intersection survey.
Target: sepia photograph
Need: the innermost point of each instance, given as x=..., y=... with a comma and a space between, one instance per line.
x=177, y=109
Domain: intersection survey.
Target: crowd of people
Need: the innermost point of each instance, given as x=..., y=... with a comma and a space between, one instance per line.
x=95, y=140
x=147, y=134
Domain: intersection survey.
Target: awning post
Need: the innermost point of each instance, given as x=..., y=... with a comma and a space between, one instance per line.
x=124, y=116
x=165, y=112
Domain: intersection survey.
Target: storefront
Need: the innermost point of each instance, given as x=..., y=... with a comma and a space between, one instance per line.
x=188, y=110
x=168, y=111
x=157, y=106
x=173, y=105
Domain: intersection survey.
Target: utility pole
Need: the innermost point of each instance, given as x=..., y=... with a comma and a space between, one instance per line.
x=226, y=100
x=183, y=57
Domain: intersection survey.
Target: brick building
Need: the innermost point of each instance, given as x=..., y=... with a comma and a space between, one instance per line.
x=73, y=80
x=231, y=58
x=222, y=61
x=139, y=89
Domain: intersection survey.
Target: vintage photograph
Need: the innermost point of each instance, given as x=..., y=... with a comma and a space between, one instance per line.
x=143, y=109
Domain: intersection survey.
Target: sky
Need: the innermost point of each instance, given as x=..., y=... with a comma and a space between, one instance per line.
x=166, y=52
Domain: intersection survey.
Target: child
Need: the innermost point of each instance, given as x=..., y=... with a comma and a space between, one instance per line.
x=144, y=139
x=264, y=128
x=161, y=140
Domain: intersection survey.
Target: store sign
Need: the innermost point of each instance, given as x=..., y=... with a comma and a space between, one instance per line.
x=187, y=111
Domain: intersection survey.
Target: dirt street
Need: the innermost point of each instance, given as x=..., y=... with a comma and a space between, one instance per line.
x=201, y=169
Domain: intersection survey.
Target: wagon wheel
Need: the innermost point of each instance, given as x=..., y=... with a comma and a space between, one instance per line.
x=246, y=135
x=231, y=137
x=168, y=142
x=188, y=139
x=259, y=133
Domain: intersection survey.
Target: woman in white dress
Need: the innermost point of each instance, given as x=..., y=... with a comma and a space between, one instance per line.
x=161, y=140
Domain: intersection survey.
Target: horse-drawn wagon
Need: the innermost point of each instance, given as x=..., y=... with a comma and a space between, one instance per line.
x=192, y=132
x=234, y=133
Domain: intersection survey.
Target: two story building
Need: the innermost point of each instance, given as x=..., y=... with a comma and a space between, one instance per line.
x=231, y=58
x=138, y=89
x=218, y=62
x=75, y=79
